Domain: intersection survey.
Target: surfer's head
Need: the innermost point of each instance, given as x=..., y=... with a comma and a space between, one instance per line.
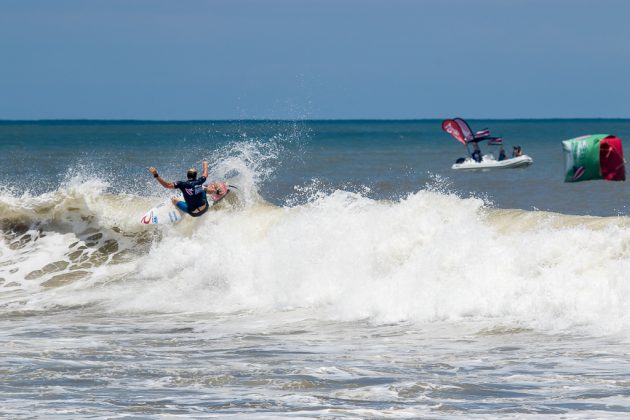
x=192, y=174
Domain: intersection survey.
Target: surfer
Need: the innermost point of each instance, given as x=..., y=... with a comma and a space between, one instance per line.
x=195, y=200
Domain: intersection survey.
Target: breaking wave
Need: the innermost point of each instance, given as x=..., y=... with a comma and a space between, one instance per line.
x=430, y=256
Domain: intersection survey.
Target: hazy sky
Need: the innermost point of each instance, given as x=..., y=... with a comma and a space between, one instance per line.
x=226, y=59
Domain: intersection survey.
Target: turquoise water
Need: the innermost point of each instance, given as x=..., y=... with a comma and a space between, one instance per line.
x=351, y=274
x=391, y=158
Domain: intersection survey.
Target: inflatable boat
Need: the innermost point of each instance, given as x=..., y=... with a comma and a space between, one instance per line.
x=489, y=162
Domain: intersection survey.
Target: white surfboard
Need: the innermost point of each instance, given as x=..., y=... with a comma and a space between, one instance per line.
x=163, y=213
x=166, y=212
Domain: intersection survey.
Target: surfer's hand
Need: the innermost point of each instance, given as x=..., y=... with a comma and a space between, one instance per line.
x=153, y=170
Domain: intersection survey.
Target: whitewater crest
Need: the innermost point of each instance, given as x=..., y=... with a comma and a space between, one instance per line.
x=431, y=256
x=83, y=234
x=71, y=234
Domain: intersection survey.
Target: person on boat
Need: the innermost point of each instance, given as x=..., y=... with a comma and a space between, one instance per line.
x=502, y=155
x=516, y=151
x=195, y=200
x=476, y=154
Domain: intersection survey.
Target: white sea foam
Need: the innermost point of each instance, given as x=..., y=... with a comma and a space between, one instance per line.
x=429, y=257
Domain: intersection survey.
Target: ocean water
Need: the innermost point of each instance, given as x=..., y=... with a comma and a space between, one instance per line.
x=352, y=274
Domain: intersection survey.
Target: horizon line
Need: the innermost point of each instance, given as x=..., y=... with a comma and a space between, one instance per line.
x=225, y=120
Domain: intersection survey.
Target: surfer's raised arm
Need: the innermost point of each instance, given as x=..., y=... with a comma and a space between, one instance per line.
x=205, y=168
x=161, y=180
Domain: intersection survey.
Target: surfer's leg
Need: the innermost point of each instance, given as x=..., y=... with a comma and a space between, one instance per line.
x=180, y=204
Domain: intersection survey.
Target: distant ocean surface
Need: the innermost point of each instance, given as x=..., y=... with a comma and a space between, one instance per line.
x=351, y=274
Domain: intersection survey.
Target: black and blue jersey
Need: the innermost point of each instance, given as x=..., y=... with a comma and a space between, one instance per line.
x=193, y=193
